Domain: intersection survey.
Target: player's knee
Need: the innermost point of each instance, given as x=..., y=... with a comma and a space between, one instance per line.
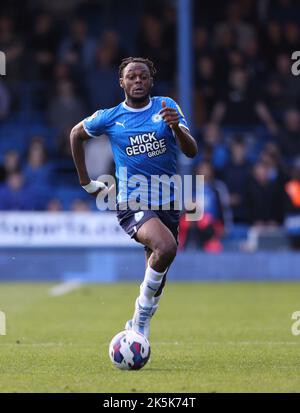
x=167, y=251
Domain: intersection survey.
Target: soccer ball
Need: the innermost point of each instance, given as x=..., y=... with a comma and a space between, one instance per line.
x=129, y=350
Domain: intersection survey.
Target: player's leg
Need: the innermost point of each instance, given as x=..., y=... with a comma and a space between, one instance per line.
x=148, y=253
x=158, y=239
x=160, y=252
x=158, y=294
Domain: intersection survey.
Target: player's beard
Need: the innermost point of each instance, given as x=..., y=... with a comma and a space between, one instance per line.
x=140, y=99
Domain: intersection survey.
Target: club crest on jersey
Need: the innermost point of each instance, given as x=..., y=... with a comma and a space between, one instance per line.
x=156, y=118
x=138, y=216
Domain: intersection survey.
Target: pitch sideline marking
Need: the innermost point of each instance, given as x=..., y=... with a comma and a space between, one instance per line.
x=66, y=287
x=36, y=344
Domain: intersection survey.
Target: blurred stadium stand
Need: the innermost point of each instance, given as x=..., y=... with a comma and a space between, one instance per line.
x=62, y=65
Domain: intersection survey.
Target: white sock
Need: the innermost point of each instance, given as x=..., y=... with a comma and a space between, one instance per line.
x=150, y=286
x=156, y=299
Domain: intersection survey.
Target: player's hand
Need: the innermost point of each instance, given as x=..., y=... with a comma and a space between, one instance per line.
x=95, y=187
x=95, y=194
x=169, y=115
x=104, y=191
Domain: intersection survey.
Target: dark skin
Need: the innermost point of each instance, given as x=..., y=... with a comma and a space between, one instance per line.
x=137, y=76
x=137, y=82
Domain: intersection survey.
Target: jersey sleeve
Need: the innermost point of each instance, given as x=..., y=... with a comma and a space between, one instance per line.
x=182, y=120
x=95, y=125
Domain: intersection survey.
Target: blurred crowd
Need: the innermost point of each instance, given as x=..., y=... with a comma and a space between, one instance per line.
x=62, y=65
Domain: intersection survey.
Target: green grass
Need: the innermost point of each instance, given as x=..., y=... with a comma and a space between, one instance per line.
x=233, y=337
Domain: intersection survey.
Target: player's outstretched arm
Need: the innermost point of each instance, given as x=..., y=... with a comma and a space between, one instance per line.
x=187, y=143
x=77, y=138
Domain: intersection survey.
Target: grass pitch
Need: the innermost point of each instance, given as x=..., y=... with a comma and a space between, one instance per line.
x=233, y=337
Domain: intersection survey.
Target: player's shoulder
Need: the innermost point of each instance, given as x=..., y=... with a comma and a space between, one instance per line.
x=108, y=112
x=169, y=101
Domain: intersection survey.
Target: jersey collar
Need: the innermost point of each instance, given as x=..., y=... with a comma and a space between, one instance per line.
x=125, y=106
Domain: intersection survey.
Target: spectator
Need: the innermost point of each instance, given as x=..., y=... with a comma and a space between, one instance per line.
x=291, y=37
x=11, y=163
x=151, y=44
x=78, y=49
x=284, y=10
x=169, y=17
x=62, y=8
x=37, y=171
x=54, y=205
x=235, y=24
x=207, y=86
x=66, y=108
x=61, y=72
x=224, y=45
x=78, y=205
x=289, y=82
x=110, y=40
x=272, y=43
x=271, y=156
x=288, y=138
x=201, y=44
x=101, y=82
x=15, y=195
x=43, y=44
x=292, y=206
x=235, y=60
x=207, y=232
x=236, y=177
x=5, y=101
x=63, y=144
x=239, y=105
x=276, y=97
x=254, y=61
x=213, y=147
x=264, y=198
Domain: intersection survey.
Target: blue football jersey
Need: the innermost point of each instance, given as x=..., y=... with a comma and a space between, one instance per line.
x=144, y=148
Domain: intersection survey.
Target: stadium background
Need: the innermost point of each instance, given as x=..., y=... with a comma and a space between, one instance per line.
x=240, y=97
x=228, y=64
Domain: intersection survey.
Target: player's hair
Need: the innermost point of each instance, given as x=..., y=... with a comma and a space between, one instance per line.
x=128, y=60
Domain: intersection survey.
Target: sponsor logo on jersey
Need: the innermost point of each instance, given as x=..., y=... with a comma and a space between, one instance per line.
x=146, y=143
